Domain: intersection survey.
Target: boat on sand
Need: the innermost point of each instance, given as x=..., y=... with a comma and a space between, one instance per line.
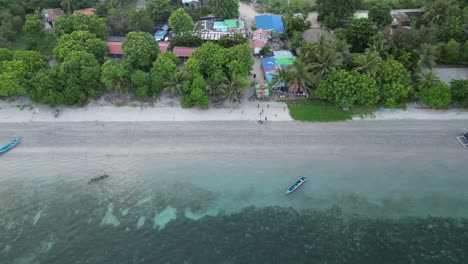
x=10, y=145
x=296, y=185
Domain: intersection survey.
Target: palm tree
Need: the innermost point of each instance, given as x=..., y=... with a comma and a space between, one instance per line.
x=215, y=84
x=427, y=56
x=425, y=80
x=175, y=82
x=342, y=47
x=282, y=76
x=380, y=45
x=234, y=86
x=326, y=63
x=301, y=75
x=368, y=63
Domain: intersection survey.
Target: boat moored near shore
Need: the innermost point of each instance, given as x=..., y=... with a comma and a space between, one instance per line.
x=296, y=185
x=10, y=145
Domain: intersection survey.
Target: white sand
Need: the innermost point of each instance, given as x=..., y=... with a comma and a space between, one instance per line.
x=417, y=114
x=164, y=110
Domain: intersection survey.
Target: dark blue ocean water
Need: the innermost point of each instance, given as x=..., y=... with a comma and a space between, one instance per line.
x=221, y=208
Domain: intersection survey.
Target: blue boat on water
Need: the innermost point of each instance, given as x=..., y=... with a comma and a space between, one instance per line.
x=9, y=145
x=296, y=185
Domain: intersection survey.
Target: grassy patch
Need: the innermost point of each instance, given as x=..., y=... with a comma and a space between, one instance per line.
x=318, y=111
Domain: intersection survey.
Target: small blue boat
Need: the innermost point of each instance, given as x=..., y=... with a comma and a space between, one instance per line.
x=10, y=145
x=296, y=185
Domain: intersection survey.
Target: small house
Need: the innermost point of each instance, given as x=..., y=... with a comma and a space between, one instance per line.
x=51, y=15
x=85, y=11
x=184, y=53
x=191, y=3
x=261, y=34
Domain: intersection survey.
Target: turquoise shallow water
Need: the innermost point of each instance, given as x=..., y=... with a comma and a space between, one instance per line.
x=222, y=208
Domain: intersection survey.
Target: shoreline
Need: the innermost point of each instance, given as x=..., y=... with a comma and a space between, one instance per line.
x=169, y=110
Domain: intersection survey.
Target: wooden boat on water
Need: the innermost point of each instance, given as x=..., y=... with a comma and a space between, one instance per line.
x=99, y=177
x=10, y=145
x=296, y=185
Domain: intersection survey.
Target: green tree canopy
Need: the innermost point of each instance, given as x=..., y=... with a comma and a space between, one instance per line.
x=160, y=10
x=211, y=58
x=77, y=22
x=346, y=88
x=460, y=91
x=224, y=9
x=165, y=64
x=379, y=13
x=180, y=22
x=227, y=41
x=140, y=49
x=186, y=40
x=5, y=54
x=394, y=81
x=240, y=60
x=115, y=75
x=80, y=73
x=141, y=82
x=339, y=9
x=80, y=41
x=140, y=20
x=12, y=78
x=359, y=34
x=438, y=96
x=33, y=30
x=295, y=22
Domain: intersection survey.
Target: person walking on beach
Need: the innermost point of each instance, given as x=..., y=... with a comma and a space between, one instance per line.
x=265, y=118
x=268, y=105
x=255, y=76
x=258, y=105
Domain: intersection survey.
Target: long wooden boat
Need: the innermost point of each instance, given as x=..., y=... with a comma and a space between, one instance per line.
x=296, y=185
x=99, y=177
x=10, y=145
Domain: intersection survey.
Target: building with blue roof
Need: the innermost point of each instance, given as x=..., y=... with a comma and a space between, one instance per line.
x=269, y=22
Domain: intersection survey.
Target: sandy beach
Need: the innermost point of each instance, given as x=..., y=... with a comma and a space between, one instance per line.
x=346, y=139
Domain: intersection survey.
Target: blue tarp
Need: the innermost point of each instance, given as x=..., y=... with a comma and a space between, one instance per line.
x=269, y=22
x=269, y=63
x=159, y=35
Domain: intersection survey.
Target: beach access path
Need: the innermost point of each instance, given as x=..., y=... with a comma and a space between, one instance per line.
x=388, y=139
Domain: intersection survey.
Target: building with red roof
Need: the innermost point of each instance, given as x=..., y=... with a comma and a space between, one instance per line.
x=116, y=51
x=257, y=45
x=85, y=11
x=183, y=52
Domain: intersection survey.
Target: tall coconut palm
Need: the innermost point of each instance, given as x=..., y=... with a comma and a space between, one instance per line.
x=282, y=76
x=175, y=82
x=380, y=45
x=341, y=46
x=368, y=62
x=326, y=63
x=301, y=75
x=215, y=84
x=425, y=80
x=427, y=56
x=234, y=86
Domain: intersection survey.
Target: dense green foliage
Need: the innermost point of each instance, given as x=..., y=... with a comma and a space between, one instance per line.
x=140, y=20
x=394, y=81
x=115, y=75
x=346, y=88
x=77, y=22
x=224, y=9
x=140, y=49
x=295, y=22
x=438, y=96
x=180, y=22
x=80, y=41
x=165, y=64
x=187, y=40
x=459, y=90
x=379, y=13
x=359, y=34
x=332, y=11
x=306, y=110
x=159, y=10
x=230, y=40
